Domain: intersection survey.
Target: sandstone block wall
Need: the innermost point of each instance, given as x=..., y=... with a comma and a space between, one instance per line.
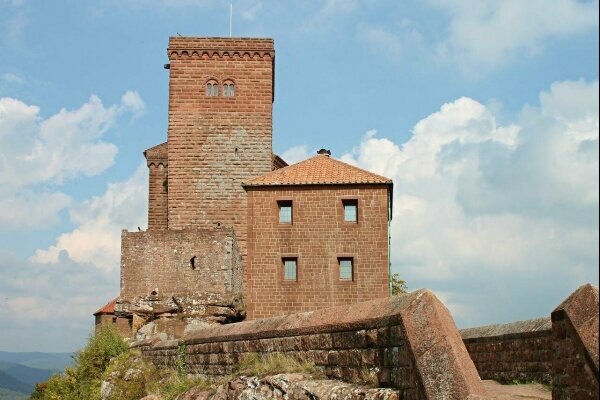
x=156, y=159
x=520, y=350
x=409, y=341
x=216, y=142
x=161, y=261
x=575, y=332
x=317, y=237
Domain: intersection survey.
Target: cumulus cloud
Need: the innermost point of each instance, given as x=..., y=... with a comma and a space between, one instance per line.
x=131, y=101
x=39, y=154
x=482, y=36
x=295, y=154
x=96, y=240
x=57, y=314
x=501, y=216
x=491, y=33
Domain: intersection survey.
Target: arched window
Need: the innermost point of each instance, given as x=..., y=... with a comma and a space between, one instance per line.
x=212, y=88
x=228, y=88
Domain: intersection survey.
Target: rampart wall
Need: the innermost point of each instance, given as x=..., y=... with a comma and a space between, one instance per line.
x=518, y=351
x=410, y=342
x=561, y=351
x=575, y=333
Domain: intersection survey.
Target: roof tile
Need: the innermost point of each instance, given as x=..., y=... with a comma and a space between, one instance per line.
x=318, y=170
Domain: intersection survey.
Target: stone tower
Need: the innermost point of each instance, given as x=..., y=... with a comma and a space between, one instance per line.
x=220, y=128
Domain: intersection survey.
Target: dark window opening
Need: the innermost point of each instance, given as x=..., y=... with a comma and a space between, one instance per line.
x=193, y=262
x=290, y=269
x=285, y=211
x=346, y=267
x=350, y=210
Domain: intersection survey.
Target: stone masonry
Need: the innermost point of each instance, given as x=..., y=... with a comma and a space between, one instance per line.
x=409, y=342
x=318, y=238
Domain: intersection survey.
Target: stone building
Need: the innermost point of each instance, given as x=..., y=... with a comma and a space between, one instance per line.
x=233, y=231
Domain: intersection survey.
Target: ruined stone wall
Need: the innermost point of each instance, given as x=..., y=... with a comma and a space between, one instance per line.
x=516, y=351
x=575, y=332
x=217, y=142
x=317, y=237
x=409, y=342
x=161, y=261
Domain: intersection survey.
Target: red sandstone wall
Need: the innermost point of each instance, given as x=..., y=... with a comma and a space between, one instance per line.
x=518, y=351
x=317, y=237
x=409, y=342
x=160, y=259
x=575, y=330
x=205, y=170
x=157, y=197
x=123, y=325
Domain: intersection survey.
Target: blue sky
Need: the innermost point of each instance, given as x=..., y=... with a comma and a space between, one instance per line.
x=485, y=114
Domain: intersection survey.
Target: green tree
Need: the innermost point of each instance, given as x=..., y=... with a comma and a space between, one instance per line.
x=398, y=285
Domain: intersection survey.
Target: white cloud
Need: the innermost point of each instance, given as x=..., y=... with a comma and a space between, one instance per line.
x=502, y=215
x=41, y=153
x=295, y=154
x=96, y=240
x=132, y=102
x=57, y=300
x=328, y=14
x=489, y=34
x=10, y=78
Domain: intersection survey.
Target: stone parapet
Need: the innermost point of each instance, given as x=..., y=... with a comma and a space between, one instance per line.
x=517, y=351
x=410, y=342
x=575, y=331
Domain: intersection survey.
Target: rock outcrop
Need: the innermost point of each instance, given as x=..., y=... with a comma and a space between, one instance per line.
x=289, y=387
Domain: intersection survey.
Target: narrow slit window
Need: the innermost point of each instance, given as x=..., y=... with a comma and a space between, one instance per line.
x=350, y=210
x=290, y=269
x=346, y=269
x=285, y=212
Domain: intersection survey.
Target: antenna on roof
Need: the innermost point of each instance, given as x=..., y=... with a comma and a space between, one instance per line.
x=230, y=17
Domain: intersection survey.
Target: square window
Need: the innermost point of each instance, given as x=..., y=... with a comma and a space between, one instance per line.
x=350, y=210
x=285, y=212
x=290, y=269
x=346, y=269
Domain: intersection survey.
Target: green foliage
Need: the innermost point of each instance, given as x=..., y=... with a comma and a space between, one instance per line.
x=83, y=381
x=130, y=377
x=254, y=365
x=180, y=362
x=398, y=285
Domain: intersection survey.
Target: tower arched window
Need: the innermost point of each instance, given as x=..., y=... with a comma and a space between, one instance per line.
x=212, y=88
x=228, y=88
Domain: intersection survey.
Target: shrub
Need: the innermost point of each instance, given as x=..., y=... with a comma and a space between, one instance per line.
x=82, y=382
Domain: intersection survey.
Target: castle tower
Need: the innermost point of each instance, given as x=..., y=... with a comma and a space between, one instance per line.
x=220, y=128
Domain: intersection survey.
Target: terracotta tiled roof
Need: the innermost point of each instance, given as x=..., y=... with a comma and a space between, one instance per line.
x=108, y=308
x=318, y=170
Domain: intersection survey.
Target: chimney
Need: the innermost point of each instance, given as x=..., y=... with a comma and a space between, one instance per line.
x=324, y=152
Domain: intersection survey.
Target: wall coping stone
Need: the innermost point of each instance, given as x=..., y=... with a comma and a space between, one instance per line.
x=510, y=330
x=581, y=309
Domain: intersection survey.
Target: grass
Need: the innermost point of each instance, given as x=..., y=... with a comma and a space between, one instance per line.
x=277, y=363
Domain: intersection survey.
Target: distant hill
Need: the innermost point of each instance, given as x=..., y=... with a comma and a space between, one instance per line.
x=51, y=361
x=25, y=374
x=6, y=394
x=13, y=384
x=19, y=372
